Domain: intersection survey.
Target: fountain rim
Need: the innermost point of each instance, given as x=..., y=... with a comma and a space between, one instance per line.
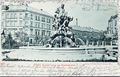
x=81, y=47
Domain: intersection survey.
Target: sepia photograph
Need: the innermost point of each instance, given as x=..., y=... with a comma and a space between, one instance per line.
x=53, y=31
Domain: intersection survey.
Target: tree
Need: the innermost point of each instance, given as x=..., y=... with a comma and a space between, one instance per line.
x=21, y=37
x=2, y=37
x=9, y=43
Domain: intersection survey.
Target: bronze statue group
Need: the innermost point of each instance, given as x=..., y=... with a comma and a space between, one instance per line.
x=62, y=36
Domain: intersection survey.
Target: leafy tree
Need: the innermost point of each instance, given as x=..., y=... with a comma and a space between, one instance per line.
x=9, y=43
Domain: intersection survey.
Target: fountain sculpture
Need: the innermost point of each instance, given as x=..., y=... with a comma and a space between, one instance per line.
x=62, y=36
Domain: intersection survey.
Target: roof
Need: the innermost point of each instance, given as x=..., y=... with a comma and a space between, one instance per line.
x=89, y=29
x=27, y=8
x=112, y=17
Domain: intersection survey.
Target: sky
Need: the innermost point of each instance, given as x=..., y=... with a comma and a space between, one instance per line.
x=88, y=15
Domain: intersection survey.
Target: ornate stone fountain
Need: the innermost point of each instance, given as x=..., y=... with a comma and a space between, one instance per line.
x=62, y=36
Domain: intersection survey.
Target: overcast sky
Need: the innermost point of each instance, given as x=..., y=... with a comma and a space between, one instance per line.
x=89, y=17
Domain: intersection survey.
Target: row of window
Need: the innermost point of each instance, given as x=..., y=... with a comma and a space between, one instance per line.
x=13, y=15
x=47, y=26
x=40, y=32
x=112, y=30
x=37, y=18
x=45, y=33
x=112, y=27
x=14, y=23
x=38, y=25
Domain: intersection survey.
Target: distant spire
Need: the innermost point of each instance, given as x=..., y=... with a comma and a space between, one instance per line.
x=41, y=9
x=76, y=21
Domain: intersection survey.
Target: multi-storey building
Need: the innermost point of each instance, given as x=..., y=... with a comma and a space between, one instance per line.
x=112, y=25
x=112, y=29
x=36, y=24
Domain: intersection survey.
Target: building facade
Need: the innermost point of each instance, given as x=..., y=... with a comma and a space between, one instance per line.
x=32, y=25
x=112, y=29
x=86, y=35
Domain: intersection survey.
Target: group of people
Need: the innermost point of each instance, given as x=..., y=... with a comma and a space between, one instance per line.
x=62, y=35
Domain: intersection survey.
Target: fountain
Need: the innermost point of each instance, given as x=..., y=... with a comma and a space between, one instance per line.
x=62, y=46
x=62, y=36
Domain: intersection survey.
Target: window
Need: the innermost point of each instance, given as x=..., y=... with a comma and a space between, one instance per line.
x=21, y=23
x=30, y=41
x=20, y=15
x=7, y=15
x=12, y=15
x=36, y=17
x=35, y=24
x=35, y=32
x=43, y=25
x=39, y=26
x=26, y=15
x=20, y=29
x=12, y=23
x=7, y=23
x=15, y=15
x=26, y=22
x=31, y=17
x=43, y=19
x=48, y=26
x=31, y=23
x=38, y=32
x=48, y=33
x=43, y=32
x=15, y=23
x=31, y=31
x=48, y=20
x=2, y=24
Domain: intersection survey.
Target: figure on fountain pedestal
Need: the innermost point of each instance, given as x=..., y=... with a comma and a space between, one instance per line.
x=60, y=11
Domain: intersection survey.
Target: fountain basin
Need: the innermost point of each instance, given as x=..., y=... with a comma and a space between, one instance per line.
x=61, y=54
